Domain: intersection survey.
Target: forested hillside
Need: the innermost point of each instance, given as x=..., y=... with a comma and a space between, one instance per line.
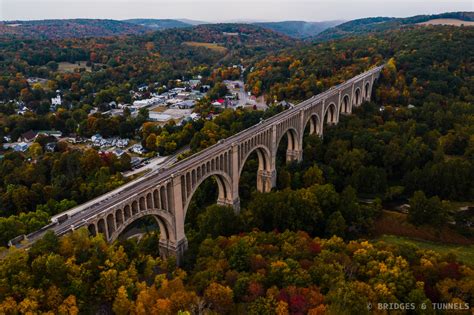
x=74, y=28
x=378, y=24
x=299, y=29
x=159, y=24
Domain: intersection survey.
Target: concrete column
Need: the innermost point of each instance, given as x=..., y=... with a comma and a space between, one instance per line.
x=323, y=109
x=338, y=107
x=180, y=243
x=172, y=249
x=235, y=176
x=294, y=155
x=266, y=180
x=351, y=101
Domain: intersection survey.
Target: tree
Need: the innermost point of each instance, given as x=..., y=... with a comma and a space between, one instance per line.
x=68, y=307
x=219, y=298
x=35, y=150
x=335, y=225
x=218, y=220
x=313, y=175
x=150, y=142
x=121, y=304
x=426, y=211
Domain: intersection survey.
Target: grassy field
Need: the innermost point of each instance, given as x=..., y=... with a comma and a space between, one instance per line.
x=454, y=22
x=211, y=46
x=71, y=67
x=395, y=223
x=464, y=253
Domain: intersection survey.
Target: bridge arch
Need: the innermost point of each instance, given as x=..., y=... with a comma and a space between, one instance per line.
x=264, y=158
x=162, y=218
x=345, y=105
x=331, y=116
x=314, y=124
x=357, y=97
x=293, y=139
x=265, y=175
x=224, y=184
x=92, y=229
x=367, y=91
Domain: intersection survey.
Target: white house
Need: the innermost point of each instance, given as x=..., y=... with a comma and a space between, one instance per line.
x=56, y=101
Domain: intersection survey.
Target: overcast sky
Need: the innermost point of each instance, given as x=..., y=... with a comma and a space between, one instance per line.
x=226, y=10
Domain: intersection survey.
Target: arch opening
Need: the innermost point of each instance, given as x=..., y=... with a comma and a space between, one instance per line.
x=367, y=91
x=213, y=186
x=118, y=217
x=110, y=224
x=357, y=97
x=312, y=126
x=101, y=227
x=142, y=225
x=288, y=155
x=92, y=230
x=289, y=147
x=255, y=173
x=330, y=115
x=345, y=106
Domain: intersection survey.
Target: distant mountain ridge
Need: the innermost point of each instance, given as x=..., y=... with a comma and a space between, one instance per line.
x=69, y=28
x=377, y=24
x=159, y=24
x=314, y=31
x=299, y=29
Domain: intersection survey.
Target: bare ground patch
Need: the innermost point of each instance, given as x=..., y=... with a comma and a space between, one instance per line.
x=453, y=22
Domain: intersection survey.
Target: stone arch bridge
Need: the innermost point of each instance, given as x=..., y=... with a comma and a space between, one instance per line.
x=166, y=194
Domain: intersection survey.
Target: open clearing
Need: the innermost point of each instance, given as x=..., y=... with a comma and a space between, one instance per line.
x=395, y=223
x=71, y=67
x=454, y=22
x=464, y=253
x=211, y=46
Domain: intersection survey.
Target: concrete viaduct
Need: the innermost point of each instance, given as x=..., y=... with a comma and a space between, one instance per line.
x=165, y=194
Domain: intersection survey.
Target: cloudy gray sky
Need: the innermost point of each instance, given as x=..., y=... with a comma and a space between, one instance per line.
x=225, y=10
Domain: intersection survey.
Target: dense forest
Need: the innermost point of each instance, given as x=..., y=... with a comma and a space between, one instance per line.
x=252, y=273
x=304, y=248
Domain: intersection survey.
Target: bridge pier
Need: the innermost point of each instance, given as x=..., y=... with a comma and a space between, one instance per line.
x=294, y=155
x=171, y=249
x=266, y=180
x=235, y=204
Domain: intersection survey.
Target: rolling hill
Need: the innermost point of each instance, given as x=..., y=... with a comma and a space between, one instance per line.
x=299, y=29
x=159, y=24
x=378, y=24
x=72, y=28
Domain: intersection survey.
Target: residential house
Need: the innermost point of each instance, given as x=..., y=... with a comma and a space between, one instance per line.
x=137, y=148
x=21, y=146
x=56, y=101
x=28, y=136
